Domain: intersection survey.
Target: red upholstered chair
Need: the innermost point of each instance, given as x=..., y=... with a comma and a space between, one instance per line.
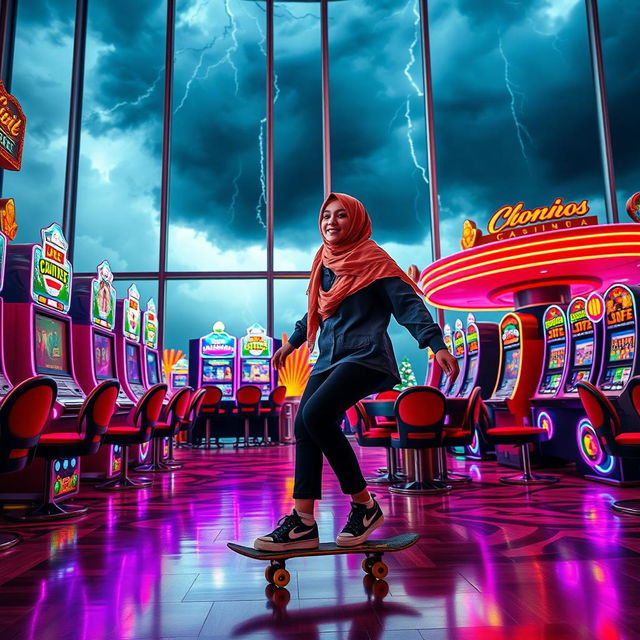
x=521, y=436
x=272, y=410
x=145, y=417
x=24, y=411
x=210, y=410
x=389, y=422
x=247, y=406
x=420, y=413
x=458, y=432
x=606, y=422
x=368, y=434
x=168, y=426
x=194, y=412
x=92, y=423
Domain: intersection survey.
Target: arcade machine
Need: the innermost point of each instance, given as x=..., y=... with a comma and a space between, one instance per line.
x=256, y=351
x=436, y=376
x=179, y=375
x=212, y=360
x=93, y=310
x=509, y=403
x=38, y=340
x=620, y=363
x=483, y=348
x=5, y=384
x=460, y=353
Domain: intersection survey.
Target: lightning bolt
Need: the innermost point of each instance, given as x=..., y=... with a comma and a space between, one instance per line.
x=231, y=28
x=236, y=193
x=194, y=73
x=263, y=180
x=520, y=128
x=104, y=113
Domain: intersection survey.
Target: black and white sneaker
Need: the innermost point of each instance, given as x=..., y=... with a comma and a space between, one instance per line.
x=291, y=533
x=362, y=522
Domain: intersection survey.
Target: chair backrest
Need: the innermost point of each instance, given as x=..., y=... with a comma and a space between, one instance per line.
x=248, y=399
x=211, y=399
x=95, y=414
x=471, y=417
x=277, y=397
x=24, y=412
x=421, y=409
x=176, y=409
x=601, y=413
x=634, y=393
x=389, y=394
x=148, y=409
x=194, y=411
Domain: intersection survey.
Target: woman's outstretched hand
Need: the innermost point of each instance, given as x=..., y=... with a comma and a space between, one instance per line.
x=448, y=364
x=280, y=356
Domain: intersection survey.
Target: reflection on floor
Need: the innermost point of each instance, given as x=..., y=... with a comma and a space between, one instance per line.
x=494, y=562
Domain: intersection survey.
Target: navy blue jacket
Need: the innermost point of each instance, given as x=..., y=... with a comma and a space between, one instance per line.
x=357, y=331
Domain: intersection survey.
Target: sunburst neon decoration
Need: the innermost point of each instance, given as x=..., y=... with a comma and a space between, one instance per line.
x=169, y=358
x=296, y=371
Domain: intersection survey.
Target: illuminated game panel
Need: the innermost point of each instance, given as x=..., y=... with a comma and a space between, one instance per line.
x=510, y=372
x=103, y=356
x=50, y=345
x=583, y=354
x=257, y=371
x=152, y=367
x=472, y=368
x=133, y=363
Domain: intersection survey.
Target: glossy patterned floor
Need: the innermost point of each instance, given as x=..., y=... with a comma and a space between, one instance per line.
x=494, y=562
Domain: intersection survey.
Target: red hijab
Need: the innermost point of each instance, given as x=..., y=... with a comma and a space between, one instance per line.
x=357, y=262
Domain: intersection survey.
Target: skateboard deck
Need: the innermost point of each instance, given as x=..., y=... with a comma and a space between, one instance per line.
x=372, y=564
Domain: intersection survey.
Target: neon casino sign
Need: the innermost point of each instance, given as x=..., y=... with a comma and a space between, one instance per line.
x=51, y=271
x=12, y=127
x=131, y=314
x=151, y=325
x=256, y=343
x=554, y=323
x=103, y=298
x=510, y=331
x=218, y=343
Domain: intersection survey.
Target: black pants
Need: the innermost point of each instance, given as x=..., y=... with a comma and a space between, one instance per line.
x=327, y=396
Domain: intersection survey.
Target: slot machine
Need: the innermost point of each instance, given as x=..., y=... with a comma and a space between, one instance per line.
x=519, y=343
x=93, y=310
x=38, y=340
x=482, y=359
x=460, y=353
x=5, y=383
x=256, y=352
x=212, y=360
x=436, y=376
x=620, y=363
x=179, y=376
x=152, y=370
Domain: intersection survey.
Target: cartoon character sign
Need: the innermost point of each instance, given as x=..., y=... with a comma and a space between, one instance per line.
x=131, y=315
x=51, y=271
x=103, y=298
x=151, y=325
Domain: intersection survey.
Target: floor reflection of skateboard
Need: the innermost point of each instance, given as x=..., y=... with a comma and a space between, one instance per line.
x=372, y=564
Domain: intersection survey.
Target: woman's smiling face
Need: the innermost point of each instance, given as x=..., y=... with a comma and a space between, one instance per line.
x=335, y=222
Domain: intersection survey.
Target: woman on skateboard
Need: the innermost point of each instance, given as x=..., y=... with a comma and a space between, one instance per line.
x=354, y=288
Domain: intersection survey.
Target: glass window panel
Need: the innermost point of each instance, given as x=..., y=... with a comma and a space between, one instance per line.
x=289, y=304
x=619, y=26
x=217, y=217
x=515, y=113
x=41, y=81
x=118, y=210
x=297, y=111
x=192, y=306
x=378, y=143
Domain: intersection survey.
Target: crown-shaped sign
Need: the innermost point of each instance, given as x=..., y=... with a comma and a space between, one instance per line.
x=447, y=329
x=131, y=314
x=458, y=324
x=256, y=342
x=151, y=325
x=470, y=318
x=51, y=271
x=103, y=298
x=218, y=343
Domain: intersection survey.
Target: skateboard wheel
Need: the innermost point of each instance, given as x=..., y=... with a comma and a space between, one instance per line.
x=379, y=569
x=366, y=565
x=280, y=598
x=268, y=574
x=380, y=589
x=281, y=577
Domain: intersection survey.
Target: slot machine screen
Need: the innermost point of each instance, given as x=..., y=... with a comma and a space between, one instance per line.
x=471, y=369
x=133, y=363
x=511, y=368
x=216, y=371
x=583, y=355
x=256, y=371
x=179, y=380
x=103, y=356
x=50, y=345
x=152, y=367
x=622, y=346
x=556, y=357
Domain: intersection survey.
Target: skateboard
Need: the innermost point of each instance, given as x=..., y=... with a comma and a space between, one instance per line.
x=372, y=564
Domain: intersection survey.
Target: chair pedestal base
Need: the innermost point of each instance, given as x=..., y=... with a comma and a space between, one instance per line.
x=424, y=487
x=8, y=540
x=123, y=484
x=630, y=507
x=529, y=478
x=386, y=478
x=455, y=478
x=49, y=511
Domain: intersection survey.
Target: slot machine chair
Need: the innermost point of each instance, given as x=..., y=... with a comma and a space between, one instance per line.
x=521, y=436
x=272, y=410
x=171, y=419
x=24, y=411
x=420, y=414
x=458, y=432
x=211, y=408
x=368, y=434
x=247, y=406
x=92, y=423
x=145, y=417
x=389, y=422
x=194, y=413
x=606, y=422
